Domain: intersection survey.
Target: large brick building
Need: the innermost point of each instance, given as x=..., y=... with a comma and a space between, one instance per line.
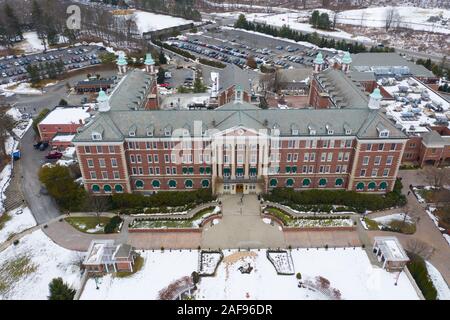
x=236, y=147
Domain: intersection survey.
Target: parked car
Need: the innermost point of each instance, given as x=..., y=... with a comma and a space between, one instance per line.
x=43, y=146
x=54, y=155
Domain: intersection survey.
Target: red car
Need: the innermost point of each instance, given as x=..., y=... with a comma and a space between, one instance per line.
x=54, y=155
x=164, y=85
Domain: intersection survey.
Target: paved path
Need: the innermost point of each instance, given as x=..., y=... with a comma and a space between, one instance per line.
x=242, y=227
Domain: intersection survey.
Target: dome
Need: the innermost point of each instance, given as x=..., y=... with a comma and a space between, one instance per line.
x=376, y=94
x=347, y=59
x=149, y=60
x=102, y=96
x=319, y=58
x=122, y=61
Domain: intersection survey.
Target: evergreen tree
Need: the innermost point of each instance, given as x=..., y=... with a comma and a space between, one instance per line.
x=60, y=290
x=162, y=58
x=315, y=17
x=13, y=27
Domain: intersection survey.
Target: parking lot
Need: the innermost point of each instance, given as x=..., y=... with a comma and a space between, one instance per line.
x=234, y=46
x=14, y=68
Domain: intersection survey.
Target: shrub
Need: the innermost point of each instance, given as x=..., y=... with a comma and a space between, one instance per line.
x=298, y=276
x=113, y=224
x=195, y=277
x=418, y=270
x=60, y=290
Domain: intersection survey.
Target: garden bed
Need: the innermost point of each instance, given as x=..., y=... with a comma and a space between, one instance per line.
x=209, y=262
x=194, y=222
x=282, y=261
x=396, y=222
x=309, y=221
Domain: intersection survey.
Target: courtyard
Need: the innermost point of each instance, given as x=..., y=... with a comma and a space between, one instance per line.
x=343, y=273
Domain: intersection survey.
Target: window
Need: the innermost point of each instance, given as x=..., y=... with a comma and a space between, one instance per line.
x=155, y=158
x=377, y=160
x=138, y=158
x=95, y=188
x=339, y=182
x=381, y=147
x=116, y=174
x=346, y=156
x=96, y=136
x=306, y=182
x=393, y=146
x=93, y=175
x=99, y=149
x=362, y=173
x=156, y=184
x=240, y=158
x=291, y=144
x=166, y=158
x=289, y=157
x=389, y=160
x=167, y=132
x=205, y=183
x=360, y=186
x=149, y=158
x=330, y=156
x=148, y=145
x=150, y=171
x=325, y=143
x=383, y=186
x=340, y=156
x=374, y=172
x=322, y=182
x=369, y=147
x=188, y=184
x=371, y=186
x=141, y=171
x=105, y=175
x=134, y=170
x=87, y=149
x=295, y=157
x=132, y=158
x=384, y=133
x=386, y=172
x=323, y=156
x=365, y=161
x=111, y=149
x=174, y=170
x=172, y=184
x=118, y=188
x=157, y=172
x=273, y=182
x=306, y=157
x=289, y=182
x=348, y=143
x=90, y=163
x=102, y=163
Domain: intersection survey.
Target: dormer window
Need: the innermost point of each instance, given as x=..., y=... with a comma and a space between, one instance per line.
x=329, y=129
x=96, y=136
x=167, y=132
x=132, y=133
x=149, y=133
x=384, y=134
x=295, y=132
x=348, y=131
x=312, y=131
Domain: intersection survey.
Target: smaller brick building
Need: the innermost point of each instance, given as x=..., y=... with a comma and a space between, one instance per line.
x=105, y=256
x=63, y=120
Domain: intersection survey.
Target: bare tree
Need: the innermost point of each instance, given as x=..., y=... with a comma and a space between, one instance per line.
x=6, y=125
x=390, y=14
x=435, y=176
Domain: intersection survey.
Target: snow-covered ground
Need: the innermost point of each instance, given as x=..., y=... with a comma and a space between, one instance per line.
x=31, y=43
x=159, y=270
x=348, y=271
x=406, y=17
x=4, y=181
x=148, y=21
x=21, y=88
x=21, y=219
x=439, y=282
x=44, y=261
x=393, y=217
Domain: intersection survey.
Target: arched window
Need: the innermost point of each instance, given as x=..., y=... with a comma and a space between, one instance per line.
x=371, y=186
x=360, y=186
x=172, y=183
x=205, y=183
x=339, y=182
x=156, y=184
x=306, y=182
x=383, y=185
x=139, y=184
x=273, y=182
x=322, y=182
x=289, y=182
x=188, y=183
x=95, y=188
x=107, y=188
x=118, y=188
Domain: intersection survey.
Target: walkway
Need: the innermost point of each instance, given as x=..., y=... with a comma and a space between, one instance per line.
x=242, y=227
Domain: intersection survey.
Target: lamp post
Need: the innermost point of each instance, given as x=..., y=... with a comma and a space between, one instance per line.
x=398, y=276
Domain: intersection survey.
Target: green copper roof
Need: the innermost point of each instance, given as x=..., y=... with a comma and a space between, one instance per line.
x=122, y=61
x=102, y=96
x=319, y=58
x=376, y=94
x=149, y=60
x=347, y=59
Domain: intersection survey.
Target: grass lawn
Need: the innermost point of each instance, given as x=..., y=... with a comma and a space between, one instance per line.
x=371, y=224
x=3, y=219
x=402, y=227
x=138, y=264
x=12, y=271
x=88, y=224
x=283, y=216
x=433, y=196
x=187, y=223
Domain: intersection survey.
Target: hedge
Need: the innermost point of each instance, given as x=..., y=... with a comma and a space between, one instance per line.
x=418, y=270
x=352, y=199
x=135, y=203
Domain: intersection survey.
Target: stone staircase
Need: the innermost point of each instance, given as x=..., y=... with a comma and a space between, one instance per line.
x=13, y=193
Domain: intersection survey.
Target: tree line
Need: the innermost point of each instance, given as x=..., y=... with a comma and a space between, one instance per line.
x=181, y=8
x=314, y=38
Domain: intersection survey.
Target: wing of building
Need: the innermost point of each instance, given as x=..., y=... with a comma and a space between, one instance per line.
x=348, y=144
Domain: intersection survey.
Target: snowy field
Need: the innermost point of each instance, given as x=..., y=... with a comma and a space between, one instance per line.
x=31, y=43
x=20, y=220
x=348, y=271
x=439, y=283
x=27, y=268
x=22, y=88
x=4, y=181
x=148, y=21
